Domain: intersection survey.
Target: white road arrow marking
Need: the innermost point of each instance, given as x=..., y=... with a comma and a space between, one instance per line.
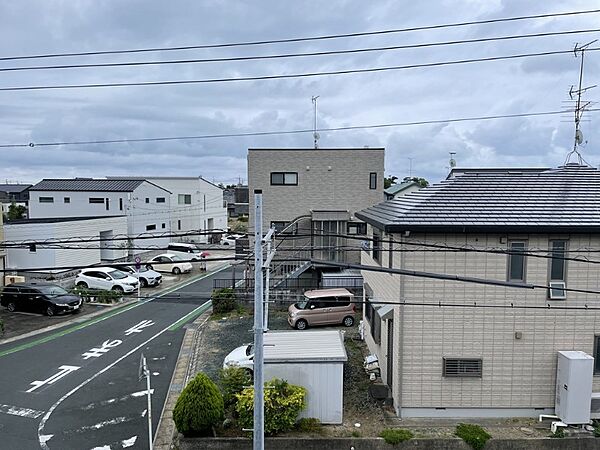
x=96, y=352
x=117, y=400
x=45, y=438
x=63, y=371
x=21, y=412
x=138, y=328
x=129, y=442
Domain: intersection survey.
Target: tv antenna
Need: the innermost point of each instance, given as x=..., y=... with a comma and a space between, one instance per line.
x=315, y=134
x=580, y=107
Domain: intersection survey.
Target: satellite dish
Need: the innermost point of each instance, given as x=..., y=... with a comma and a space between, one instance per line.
x=579, y=137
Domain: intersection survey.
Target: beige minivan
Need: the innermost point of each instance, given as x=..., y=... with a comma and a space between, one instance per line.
x=323, y=307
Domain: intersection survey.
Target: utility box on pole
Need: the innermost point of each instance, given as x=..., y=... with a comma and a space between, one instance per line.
x=574, y=376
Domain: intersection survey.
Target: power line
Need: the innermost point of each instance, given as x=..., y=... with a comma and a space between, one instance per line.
x=287, y=76
x=285, y=132
x=301, y=39
x=297, y=55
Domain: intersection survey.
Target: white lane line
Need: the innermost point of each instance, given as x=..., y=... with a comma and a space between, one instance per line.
x=43, y=442
x=125, y=443
x=110, y=401
x=21, y=412
x=129, y=442
x=104, y=447
x=104, y=423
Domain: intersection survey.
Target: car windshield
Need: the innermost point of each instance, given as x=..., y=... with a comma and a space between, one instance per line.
x=175, y=258
x=52, y=291
x=250, y=349
x=302, y=303
x=117, y=274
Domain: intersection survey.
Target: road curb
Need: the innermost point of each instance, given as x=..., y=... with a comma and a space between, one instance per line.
x=163, y=438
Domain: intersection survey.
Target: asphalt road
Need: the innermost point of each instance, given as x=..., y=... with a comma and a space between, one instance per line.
x=77, y=387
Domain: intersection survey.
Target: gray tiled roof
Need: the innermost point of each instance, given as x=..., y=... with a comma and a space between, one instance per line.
x=562, y=199
x=13, y=187
x=87, y=184
x=395, y=188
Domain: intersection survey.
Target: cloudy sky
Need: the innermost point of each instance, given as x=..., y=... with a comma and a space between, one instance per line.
x=517, y=86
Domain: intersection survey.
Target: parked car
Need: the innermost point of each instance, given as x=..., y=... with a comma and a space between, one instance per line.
x=241, y=357
x=229, y=239
x=186, y=251
x=168, y=262
x=46, y=298
x=323, y=307
x=106, y=279
x=146, y=277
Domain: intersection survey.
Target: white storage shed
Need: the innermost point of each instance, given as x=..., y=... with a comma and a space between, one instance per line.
x=314, y=360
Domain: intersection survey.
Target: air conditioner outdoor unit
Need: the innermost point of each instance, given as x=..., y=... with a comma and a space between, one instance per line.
x=574, y=376
x=556, y=290
x=10, y=279
x=595, y=409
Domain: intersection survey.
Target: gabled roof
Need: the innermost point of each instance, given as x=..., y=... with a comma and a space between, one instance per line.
x=396, y=188
x=566, y=199
x=14, y=187
x=90, y=185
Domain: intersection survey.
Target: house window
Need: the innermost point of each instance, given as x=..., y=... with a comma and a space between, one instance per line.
x=179, y=224
x=163, y=225
x=596, y=355
x=391, y=252
x=98, y=200
x=160, y=200
x=516, y=261
x=557, y=270
x=46, y=199
x=108, y=204
x=373, y=180
x=376, y=251
x=184, y=199
x=374, y=321
x=284, y=178
x=32, y=248
x=463, y=367
x=67, y=200
x=147, y=200
x=279, y=226
x=120, y=204
x=356, y=228
x=150, y=227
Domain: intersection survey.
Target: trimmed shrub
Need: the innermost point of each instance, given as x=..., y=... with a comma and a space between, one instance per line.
x=232, y=381
x=224, y=301
x=473, y=435
x=199, y=407
x=99, y=296
x=394, y=436
x=283, y=403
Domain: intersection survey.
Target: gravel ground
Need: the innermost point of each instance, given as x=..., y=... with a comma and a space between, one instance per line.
x=222, y=334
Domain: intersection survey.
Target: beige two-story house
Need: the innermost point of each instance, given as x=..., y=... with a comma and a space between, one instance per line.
x=317, y=192
x=525, y=244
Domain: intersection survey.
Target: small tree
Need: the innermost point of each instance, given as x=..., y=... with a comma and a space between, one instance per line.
x=422, y=181
x=283, y=403
x=199, y=407
x=15, y=211
x=389, y=181
x=232, y=381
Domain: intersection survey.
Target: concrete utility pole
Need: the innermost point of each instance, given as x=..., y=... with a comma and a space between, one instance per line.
x=270, y=253
x=259, y=410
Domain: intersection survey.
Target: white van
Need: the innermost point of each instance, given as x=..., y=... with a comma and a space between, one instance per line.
x=188, y=252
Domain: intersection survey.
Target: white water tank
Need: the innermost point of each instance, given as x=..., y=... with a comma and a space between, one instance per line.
x=574, y=376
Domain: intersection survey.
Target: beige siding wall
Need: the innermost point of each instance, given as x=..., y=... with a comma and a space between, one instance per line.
x=517, y=373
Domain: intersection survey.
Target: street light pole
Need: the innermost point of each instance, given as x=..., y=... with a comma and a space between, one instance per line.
x=259, y=427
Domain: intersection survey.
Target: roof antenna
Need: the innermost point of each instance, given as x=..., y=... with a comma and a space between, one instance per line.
x=580, y=107
x=315, y=134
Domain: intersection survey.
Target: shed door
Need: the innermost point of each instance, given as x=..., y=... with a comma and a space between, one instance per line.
x=390, y=353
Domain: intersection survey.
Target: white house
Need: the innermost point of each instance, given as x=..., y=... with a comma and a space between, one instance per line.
x=62, y=256
x=146, y=205
x=196, y=204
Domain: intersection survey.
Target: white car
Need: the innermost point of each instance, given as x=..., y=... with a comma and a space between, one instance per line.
x=168, y=262
x=106, y=279
x=241, y=357
x=145, y=276
x=229, y=239
x=186, y=251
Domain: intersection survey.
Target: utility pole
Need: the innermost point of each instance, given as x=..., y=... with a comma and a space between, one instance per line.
x=315, y=134
x=259, y=410
x=267, y=265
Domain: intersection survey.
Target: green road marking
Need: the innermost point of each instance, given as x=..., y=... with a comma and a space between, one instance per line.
x=120, y=310
x=195, y=313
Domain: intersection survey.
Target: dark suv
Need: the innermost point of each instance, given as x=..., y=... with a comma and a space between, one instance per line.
x=44, y=298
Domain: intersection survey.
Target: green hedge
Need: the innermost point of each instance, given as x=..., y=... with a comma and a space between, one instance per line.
x=224, y=301
x=199, y=407
x=98, y=296
x=394, y=436
x=473, y=435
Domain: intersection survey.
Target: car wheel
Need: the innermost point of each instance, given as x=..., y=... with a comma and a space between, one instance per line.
x=118, y=289
x=143, y=282
x=50, y=311
x=348, y=321
x=301, y=324
x=176, y=271
x=11, y=307
x=82, y=285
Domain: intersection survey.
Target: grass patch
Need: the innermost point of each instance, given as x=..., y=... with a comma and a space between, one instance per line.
x=309, y=425
x=560, y=433
x=473, y=435
x=394, y=436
